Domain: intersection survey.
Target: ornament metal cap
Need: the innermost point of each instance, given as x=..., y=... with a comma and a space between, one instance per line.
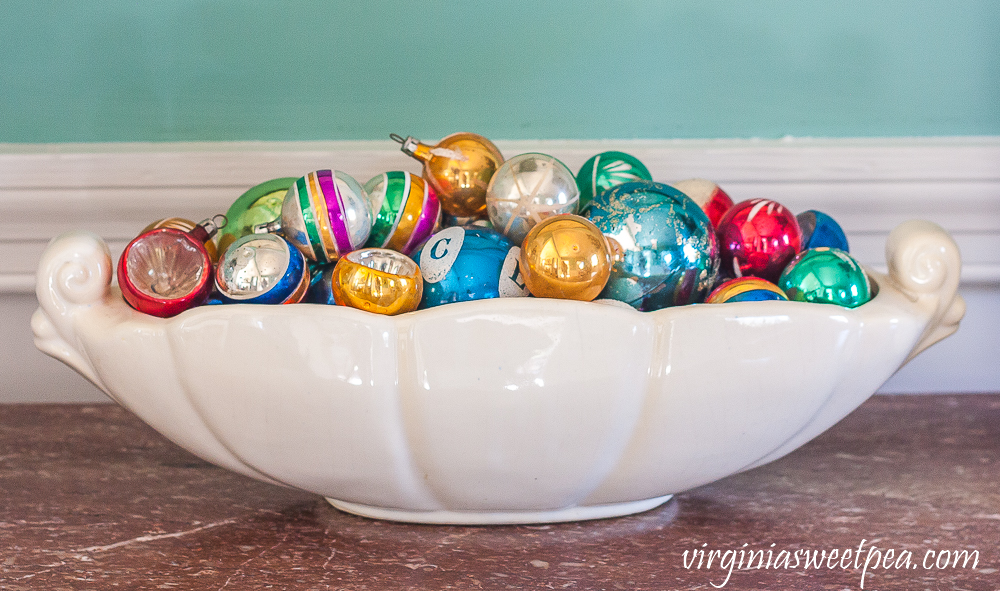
x=411, y=146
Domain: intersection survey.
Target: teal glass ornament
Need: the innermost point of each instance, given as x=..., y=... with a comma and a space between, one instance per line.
x=826, y=276
x=608, y=170
x=670, y=255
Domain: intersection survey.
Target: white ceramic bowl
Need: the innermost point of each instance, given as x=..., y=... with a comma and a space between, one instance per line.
x=499, y=411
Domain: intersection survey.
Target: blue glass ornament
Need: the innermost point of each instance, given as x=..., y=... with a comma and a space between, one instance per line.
x=321, y=288
x=262, y=269
x=461, y=264
x=820, y=230
x=670, y=253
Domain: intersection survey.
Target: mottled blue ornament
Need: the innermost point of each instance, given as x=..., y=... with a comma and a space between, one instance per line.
x=820, y=230
x=461, y=264
x=670, y=255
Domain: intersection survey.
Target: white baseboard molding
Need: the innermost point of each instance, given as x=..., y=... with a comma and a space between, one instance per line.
x=869, y=185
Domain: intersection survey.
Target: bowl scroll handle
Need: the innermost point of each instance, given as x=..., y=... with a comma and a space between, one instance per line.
x=925, y=265
x=74, y=275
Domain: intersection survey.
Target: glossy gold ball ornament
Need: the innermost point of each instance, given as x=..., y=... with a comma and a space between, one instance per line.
x=566, y=256
x=459, y=168
x=377, y=280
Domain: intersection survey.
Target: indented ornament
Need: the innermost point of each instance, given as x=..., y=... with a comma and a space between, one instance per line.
x=669, y=252
x=709, y=196
x=405, y=211
x=607, y=170
x=819, y=229
x=566, y=257
x=826, y=276
x=746, y=289
x=259, y=205
x=461, y=264
x=459, y=168
x=164, y=271
x=758, y=237
x=377, y=280
x=324, y=214
x=527, y=189
x=186, y=225
x=262, y=269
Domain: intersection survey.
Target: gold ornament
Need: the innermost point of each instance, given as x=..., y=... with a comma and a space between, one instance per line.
x=377, y=280
x=459, y=168
x=566, y=256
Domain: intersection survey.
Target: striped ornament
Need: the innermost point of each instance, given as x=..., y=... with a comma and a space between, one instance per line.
x=405, y=210
x=325, y=215
x=746, y=289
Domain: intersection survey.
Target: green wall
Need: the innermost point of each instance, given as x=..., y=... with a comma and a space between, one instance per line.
x=168, y=70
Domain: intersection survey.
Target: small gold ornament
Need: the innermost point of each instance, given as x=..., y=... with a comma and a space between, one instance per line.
x=459, y=168
x=566, y=256
x=377, y=280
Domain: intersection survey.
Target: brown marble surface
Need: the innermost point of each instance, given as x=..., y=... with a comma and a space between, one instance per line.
x=90, y=498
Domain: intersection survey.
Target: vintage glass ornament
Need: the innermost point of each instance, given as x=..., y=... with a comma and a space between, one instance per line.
x=709, y=196
x=527, y=189
x=566, y=256
x=262, y=269
x=377, y=280
x=448, y=221
x=186, y=225
x=320, y=285
x=758, y=237
x=819, y=229
x=258, y=205
x=164, y=271
x=669, y=253
x=746, y=289
x=459, y=168
x=606, y=170
x=826, y=276
x=405, y=211
x=324, y=214
x=461, y=264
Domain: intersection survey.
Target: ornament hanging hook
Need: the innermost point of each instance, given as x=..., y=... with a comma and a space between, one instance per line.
x=397, y=138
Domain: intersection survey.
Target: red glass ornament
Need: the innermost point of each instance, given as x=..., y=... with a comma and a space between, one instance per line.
x=165, y=271
x=709, y=196
x=758, y=237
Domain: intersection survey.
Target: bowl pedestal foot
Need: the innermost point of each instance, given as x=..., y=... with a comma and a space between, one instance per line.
x=501, y=517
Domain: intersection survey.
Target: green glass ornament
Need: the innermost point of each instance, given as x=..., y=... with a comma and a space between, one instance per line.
x=259, y=205
x=607, y=170
x=826, y=276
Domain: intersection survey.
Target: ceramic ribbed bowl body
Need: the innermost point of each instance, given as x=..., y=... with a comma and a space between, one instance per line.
x=497, y=411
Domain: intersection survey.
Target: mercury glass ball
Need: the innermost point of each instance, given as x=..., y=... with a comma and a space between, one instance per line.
x=527, y=189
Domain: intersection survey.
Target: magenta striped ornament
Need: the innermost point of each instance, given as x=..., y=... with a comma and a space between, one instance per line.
x=325, y=214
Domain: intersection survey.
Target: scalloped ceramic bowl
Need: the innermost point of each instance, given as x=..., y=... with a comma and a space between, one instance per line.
x=499, y=411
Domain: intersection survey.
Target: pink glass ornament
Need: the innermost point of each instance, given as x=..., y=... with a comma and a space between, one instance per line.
x=758, y=237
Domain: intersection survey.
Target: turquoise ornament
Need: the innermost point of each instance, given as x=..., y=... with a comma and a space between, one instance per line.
x=670, y=255
x=461, y=264
x=608, y=170
x=826, y=276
